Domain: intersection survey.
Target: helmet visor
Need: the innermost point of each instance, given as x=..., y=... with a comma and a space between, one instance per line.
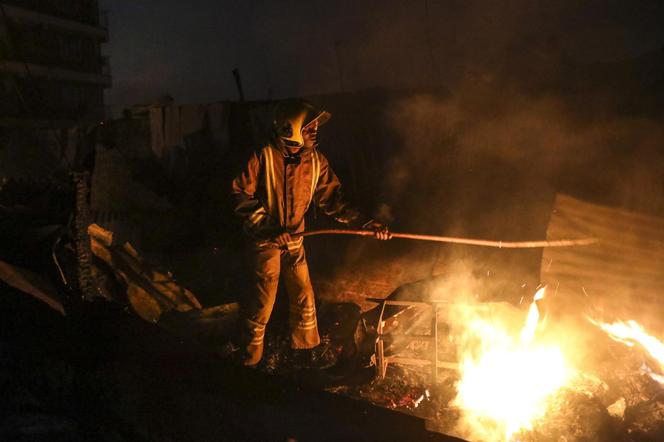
x=316, y=118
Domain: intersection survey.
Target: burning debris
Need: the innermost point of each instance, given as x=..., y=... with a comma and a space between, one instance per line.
x=522, y=375
x=122, y=356
x=503, y=372
x=632, y=333
x=496, y=364
x=523, y=384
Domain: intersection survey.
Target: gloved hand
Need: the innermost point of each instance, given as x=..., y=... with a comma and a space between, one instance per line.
x=282, y=239
x=381, y=231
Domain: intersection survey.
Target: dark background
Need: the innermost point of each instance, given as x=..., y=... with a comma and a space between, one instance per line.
x=286, y=48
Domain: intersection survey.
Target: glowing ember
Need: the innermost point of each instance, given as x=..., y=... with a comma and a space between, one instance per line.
x=631, y=333
x=506, y=381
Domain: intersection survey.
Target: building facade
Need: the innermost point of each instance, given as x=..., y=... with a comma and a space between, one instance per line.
x=52, y=71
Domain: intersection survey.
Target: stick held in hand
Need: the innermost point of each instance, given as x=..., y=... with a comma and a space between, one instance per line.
x=457, y=240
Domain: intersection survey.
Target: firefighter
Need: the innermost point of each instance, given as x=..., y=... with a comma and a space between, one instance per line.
x=272, y=194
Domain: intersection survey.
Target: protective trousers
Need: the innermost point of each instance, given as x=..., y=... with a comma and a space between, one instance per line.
x=268, y=264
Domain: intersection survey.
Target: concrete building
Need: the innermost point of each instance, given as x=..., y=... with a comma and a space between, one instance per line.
x=52, y=71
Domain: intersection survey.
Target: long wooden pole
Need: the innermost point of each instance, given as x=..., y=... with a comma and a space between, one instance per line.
x=456, y=240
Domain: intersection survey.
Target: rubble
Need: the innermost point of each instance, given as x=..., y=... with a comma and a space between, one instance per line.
x=645, y=421
x=619, y=402
x=149, y=291
x=617, y=409
x=32, y=283
x=102, y=372
x=210, y=326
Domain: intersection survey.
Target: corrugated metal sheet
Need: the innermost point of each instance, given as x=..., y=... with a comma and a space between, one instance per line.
x=621, y=275
x=171, y=126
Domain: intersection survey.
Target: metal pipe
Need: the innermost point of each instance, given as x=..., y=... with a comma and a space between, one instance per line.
x=457, y=240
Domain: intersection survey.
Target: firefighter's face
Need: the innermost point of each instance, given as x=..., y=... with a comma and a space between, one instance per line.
x=310, y=135
x=293, y=149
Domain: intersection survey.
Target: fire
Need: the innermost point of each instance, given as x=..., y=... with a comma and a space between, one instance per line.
x=506, y=380
x=631, y=333
x=528, y=330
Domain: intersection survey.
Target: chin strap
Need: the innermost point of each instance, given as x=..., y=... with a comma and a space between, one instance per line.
x=292, y=159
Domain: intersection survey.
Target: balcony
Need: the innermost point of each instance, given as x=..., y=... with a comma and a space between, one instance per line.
x=52, y=49
x=29, y=16
x=24, y=103
x=56, y=73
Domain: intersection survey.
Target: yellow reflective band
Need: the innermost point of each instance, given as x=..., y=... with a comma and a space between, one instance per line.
x=303, y=309
x=294, y=245
x=307, y=328
x=308, y=318
x=269, y=178
x=315, y=171
x=256, y=327
x=257, y=216
x=304, y=324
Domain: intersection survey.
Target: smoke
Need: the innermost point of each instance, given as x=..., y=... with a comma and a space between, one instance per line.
x=497, y=110
x=502, y=123
x=486, y=161
x=459, y=150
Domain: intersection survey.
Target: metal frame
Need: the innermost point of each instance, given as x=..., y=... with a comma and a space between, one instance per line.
x=382, y=361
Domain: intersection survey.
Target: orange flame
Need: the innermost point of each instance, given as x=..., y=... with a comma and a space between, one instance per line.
x=631, y=333
x=506, y=385
x=528, y=330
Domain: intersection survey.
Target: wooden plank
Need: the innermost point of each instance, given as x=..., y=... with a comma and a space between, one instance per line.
x=32, y=284
x=421, y=362
x=402, y=303
x=412, y=337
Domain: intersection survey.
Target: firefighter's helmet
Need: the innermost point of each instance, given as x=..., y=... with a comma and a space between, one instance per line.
x=292, y=116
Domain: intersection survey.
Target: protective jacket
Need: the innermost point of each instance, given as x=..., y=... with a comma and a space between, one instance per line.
x=273, y=193
x=275, y=190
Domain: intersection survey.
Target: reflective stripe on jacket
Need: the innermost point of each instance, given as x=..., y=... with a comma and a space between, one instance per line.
x=274, y=191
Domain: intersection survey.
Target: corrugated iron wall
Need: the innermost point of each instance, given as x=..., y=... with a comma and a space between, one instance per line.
x=620, y=277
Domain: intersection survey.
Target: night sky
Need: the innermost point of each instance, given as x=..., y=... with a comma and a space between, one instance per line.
x=285, y=48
